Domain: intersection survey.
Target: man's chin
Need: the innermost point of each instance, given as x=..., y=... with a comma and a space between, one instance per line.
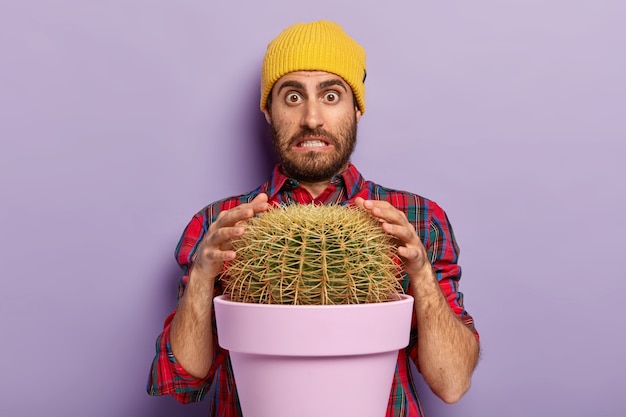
x=312, y=172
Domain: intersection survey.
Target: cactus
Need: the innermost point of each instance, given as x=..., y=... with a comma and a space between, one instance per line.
x=313, y=254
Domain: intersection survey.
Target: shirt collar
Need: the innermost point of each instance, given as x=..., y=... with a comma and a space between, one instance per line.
x=350, y=178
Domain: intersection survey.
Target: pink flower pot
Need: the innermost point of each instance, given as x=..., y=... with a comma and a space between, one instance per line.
x=313, y=361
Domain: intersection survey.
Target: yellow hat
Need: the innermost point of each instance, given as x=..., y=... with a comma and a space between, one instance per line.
x=316, y=46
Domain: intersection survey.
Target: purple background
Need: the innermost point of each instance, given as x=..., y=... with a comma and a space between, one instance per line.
x=121, y=119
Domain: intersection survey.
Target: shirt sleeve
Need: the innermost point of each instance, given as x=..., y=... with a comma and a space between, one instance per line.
x=443, y=252
x=167, y=376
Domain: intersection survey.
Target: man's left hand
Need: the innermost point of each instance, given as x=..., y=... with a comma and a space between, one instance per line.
x=395, y=223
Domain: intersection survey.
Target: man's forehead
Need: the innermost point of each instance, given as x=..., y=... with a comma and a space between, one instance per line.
x=315, y=78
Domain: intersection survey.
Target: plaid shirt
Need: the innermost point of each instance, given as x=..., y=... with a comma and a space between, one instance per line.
x=431, y=223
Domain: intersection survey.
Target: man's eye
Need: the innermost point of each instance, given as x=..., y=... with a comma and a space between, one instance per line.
x=293, y=98
x=331, y=97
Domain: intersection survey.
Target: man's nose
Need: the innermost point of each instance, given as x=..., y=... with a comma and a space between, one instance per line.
x=313, y=116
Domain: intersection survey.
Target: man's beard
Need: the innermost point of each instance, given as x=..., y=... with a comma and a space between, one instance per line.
x=313, y=166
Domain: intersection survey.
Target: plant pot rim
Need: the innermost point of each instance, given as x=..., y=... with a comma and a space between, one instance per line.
x=401, y=298
x=313, y=330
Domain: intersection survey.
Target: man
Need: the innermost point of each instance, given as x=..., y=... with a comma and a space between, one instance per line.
x=313, y=96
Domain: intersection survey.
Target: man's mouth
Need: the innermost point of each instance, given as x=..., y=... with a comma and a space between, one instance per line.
x=312, y=143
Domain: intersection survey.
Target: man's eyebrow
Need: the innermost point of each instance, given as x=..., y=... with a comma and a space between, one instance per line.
x=330, y=83
x=290, y=83
x=323, y=85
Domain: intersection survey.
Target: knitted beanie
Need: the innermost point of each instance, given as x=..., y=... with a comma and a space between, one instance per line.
x=316, y=46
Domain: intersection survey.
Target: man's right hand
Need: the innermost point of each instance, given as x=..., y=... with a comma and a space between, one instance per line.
x=190, y=338
x=215, y=247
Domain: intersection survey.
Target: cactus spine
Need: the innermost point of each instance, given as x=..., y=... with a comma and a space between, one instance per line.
x=313, y=254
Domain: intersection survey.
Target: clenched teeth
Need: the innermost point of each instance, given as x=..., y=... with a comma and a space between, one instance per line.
x=312, y=143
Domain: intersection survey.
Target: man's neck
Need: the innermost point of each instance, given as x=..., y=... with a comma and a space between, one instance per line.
x=315, y=188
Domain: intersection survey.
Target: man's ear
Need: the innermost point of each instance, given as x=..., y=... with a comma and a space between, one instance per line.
x=358, y=114
x=268, y=116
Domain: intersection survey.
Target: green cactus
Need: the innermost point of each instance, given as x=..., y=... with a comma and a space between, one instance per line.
x=313, y=254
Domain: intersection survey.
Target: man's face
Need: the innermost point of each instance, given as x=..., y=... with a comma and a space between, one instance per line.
x=313, y=120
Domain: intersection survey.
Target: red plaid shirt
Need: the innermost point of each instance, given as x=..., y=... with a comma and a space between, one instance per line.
x=431, y=224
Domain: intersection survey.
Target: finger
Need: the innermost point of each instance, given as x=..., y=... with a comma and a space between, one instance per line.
x=244, y=211
x=260, y=203
x=221, y=236
x=218, y=255
x=230, y=224
x=404, y=234
x=229, y=218
x=415, y=259
x=386, y=212
x=216, y=246
x=374, y=207
x=260, y=198
x=211, y=260
x=408, y=252
x=395, y=223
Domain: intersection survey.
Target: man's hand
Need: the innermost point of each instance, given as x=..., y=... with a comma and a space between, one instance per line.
x=447, y=349
x=190, y=337
x=215, y=247
x=395, y=223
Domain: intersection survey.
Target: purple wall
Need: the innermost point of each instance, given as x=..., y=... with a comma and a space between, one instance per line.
x=121, y=119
